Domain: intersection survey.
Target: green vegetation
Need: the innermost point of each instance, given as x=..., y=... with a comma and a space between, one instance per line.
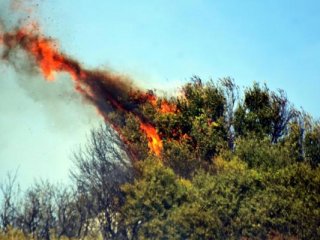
x=230, y=168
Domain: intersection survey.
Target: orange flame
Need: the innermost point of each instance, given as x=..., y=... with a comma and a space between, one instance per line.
x=166, y=107
x=49, y=60
x=154, y=141
x=96, y=86
x=151, y=98
x=46, y=56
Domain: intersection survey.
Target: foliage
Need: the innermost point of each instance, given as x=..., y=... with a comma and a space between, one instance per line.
x=254, y=114
x=287, y=204
x=264, y=113
x=151, y=198
x=312, y=146
x=230, y=168
x=260, y=153
x=138, y=142
x=179, y=156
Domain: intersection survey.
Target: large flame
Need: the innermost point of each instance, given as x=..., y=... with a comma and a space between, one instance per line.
x=154, y=141
x=102, y=88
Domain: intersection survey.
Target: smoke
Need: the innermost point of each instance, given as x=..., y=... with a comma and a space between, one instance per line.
x=17, y=12
x=45, y=57
x=58, y=100
x=61, y=104
x=33, y=54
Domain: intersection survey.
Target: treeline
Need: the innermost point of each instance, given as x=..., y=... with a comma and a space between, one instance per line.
x=85, y=209
x=233, y=166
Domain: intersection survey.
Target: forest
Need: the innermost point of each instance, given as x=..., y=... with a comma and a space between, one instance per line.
x=226, y=163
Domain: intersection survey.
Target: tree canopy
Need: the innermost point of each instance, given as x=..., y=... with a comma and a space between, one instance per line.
x=232, y=166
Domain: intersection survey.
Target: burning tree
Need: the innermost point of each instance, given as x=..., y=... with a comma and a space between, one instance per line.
x=105, y=90
x=200, y=165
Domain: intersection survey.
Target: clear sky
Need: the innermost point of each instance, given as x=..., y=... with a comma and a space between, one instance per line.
x=160, y=44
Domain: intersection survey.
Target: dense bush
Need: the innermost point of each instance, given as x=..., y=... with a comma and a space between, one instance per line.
x=230, y=168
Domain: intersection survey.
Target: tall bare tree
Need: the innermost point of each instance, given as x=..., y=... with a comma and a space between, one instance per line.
x=9, y=191
x=283, y=112
x=100, y=169
x=231, y=93
x=68, y=218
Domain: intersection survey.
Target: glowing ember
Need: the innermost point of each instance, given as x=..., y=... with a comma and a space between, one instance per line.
x=154, y=141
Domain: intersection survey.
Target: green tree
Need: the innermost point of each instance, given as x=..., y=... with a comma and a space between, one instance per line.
x=254, y=114
x=312, y=145
x=288, y=205
x=260, y=153
x=180, y=156
x=151, y=198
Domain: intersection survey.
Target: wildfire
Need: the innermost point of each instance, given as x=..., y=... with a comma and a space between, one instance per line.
x=162, y=105
x=166, y=107
x=43, y=50
x=154, y=141
x=151, y=98
x=101, y=88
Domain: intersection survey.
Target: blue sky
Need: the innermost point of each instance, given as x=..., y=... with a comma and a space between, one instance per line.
x=160, y=44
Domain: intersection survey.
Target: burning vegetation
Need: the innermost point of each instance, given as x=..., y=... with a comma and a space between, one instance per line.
x=101, y=88
x=229, y=168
